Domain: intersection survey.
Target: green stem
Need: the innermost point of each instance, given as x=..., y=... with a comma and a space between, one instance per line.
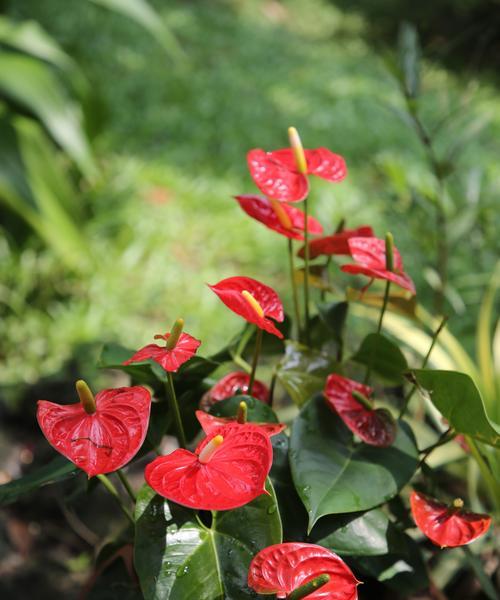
x=114, y=492
x=295, y=294
x=477, y=566
x=444, y=438
x=308, y=588
x=489, y=480
x=256, y=353
x=410, y=393
x=126, y=485
x=326, y=277
x=306, y=273
x=384, y=305
x=272, y=387
x=174, y=407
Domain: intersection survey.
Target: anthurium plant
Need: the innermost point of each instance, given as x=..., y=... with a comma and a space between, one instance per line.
x=304, y=459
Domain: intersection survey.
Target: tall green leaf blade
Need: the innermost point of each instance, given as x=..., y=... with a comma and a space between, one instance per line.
x=177, y=558
x=57, y=470
x=457, y=398
x=333, y=474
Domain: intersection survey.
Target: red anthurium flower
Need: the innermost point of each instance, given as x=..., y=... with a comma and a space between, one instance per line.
x=335, y=244
x=282, y=568
x=232, y=384
x=349, y=399
x=102, y=435
x=179, y=348
x=210, y=424
x=227, y=470
x=278, y=216
x=370, y=260
x=276, y=174
x=447, y=526
x=252, y=300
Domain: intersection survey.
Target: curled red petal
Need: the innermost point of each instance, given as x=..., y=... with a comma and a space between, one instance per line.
x=261, y=210
x=234, y=476
x=400, y=279
x=210, y=423
x=275, y=177
x=375, y=427
x=230, y=292
x=370, y=252
x=232, y=384
x=335, y=244
x=104, y=441
x=325, y=164
x=447, y=526
x=172, y=359
x=282, y=568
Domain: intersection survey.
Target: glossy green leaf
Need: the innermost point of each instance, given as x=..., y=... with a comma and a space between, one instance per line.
x=334, y=474
x=258, y=412
x=334, y=315
x=457, y=398
x=57, y=470
x=302, y=371
x=383, y=357
x=177, y=558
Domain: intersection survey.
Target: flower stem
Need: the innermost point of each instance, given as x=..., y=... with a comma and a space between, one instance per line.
x=424, y=364
x=444, y=438
x=306, y=272
x=256, y=353
x=308, y=588
x=488, y=478
x=126, y=484
x=384, y=305
x=174, y=407
x=295, y=294
x=114, y=492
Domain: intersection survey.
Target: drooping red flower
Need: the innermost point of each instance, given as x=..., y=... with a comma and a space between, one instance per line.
x=228, y=469
x=105, y=440
x=447, y=526
x=370, y=260
x=279, y=216
x=210, y=424
x=335, y=244
x=232, y=384
x=252, y=300
x=276, y=174
x=169, y=359
x=374, y=426
x=282, y=568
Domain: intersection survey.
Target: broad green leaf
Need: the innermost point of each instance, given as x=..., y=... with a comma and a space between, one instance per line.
x=33, y=85
x=302, y=371
x=57, y=470
x=143, y=13
x=383, y=357
x=457, y=398
x=177, y=558
x=258, y=412
x=334, y=474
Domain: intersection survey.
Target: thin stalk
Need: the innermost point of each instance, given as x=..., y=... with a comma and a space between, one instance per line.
x=114, y=492
x=272, y=387
x=306, y=273
x=444, y=438
x=174, y=407
x=256, y=353
x=384, y=305
x=424, y=364
x=296, y=306
x=326, y=276
x=126, y=485
x=489, y=480
x=477, y=566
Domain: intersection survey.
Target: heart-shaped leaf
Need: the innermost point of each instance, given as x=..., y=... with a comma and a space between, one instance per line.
x=383, y=357
x=457, y=398
x=177, y=557
x=333, y=474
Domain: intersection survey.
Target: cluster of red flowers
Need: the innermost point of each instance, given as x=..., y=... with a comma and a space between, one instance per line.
x=230, y=465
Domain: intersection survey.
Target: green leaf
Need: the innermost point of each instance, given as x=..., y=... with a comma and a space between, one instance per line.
x=258, y=412
x=383, y=357
x=457, y=398
x=334, y=315
x=35, y=87
x=409, y=58
x=302, y=371
x=177, y=558
x=333, y=474
x=57, y=470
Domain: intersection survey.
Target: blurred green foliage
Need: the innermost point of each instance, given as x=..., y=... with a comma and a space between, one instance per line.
x=173, y=129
